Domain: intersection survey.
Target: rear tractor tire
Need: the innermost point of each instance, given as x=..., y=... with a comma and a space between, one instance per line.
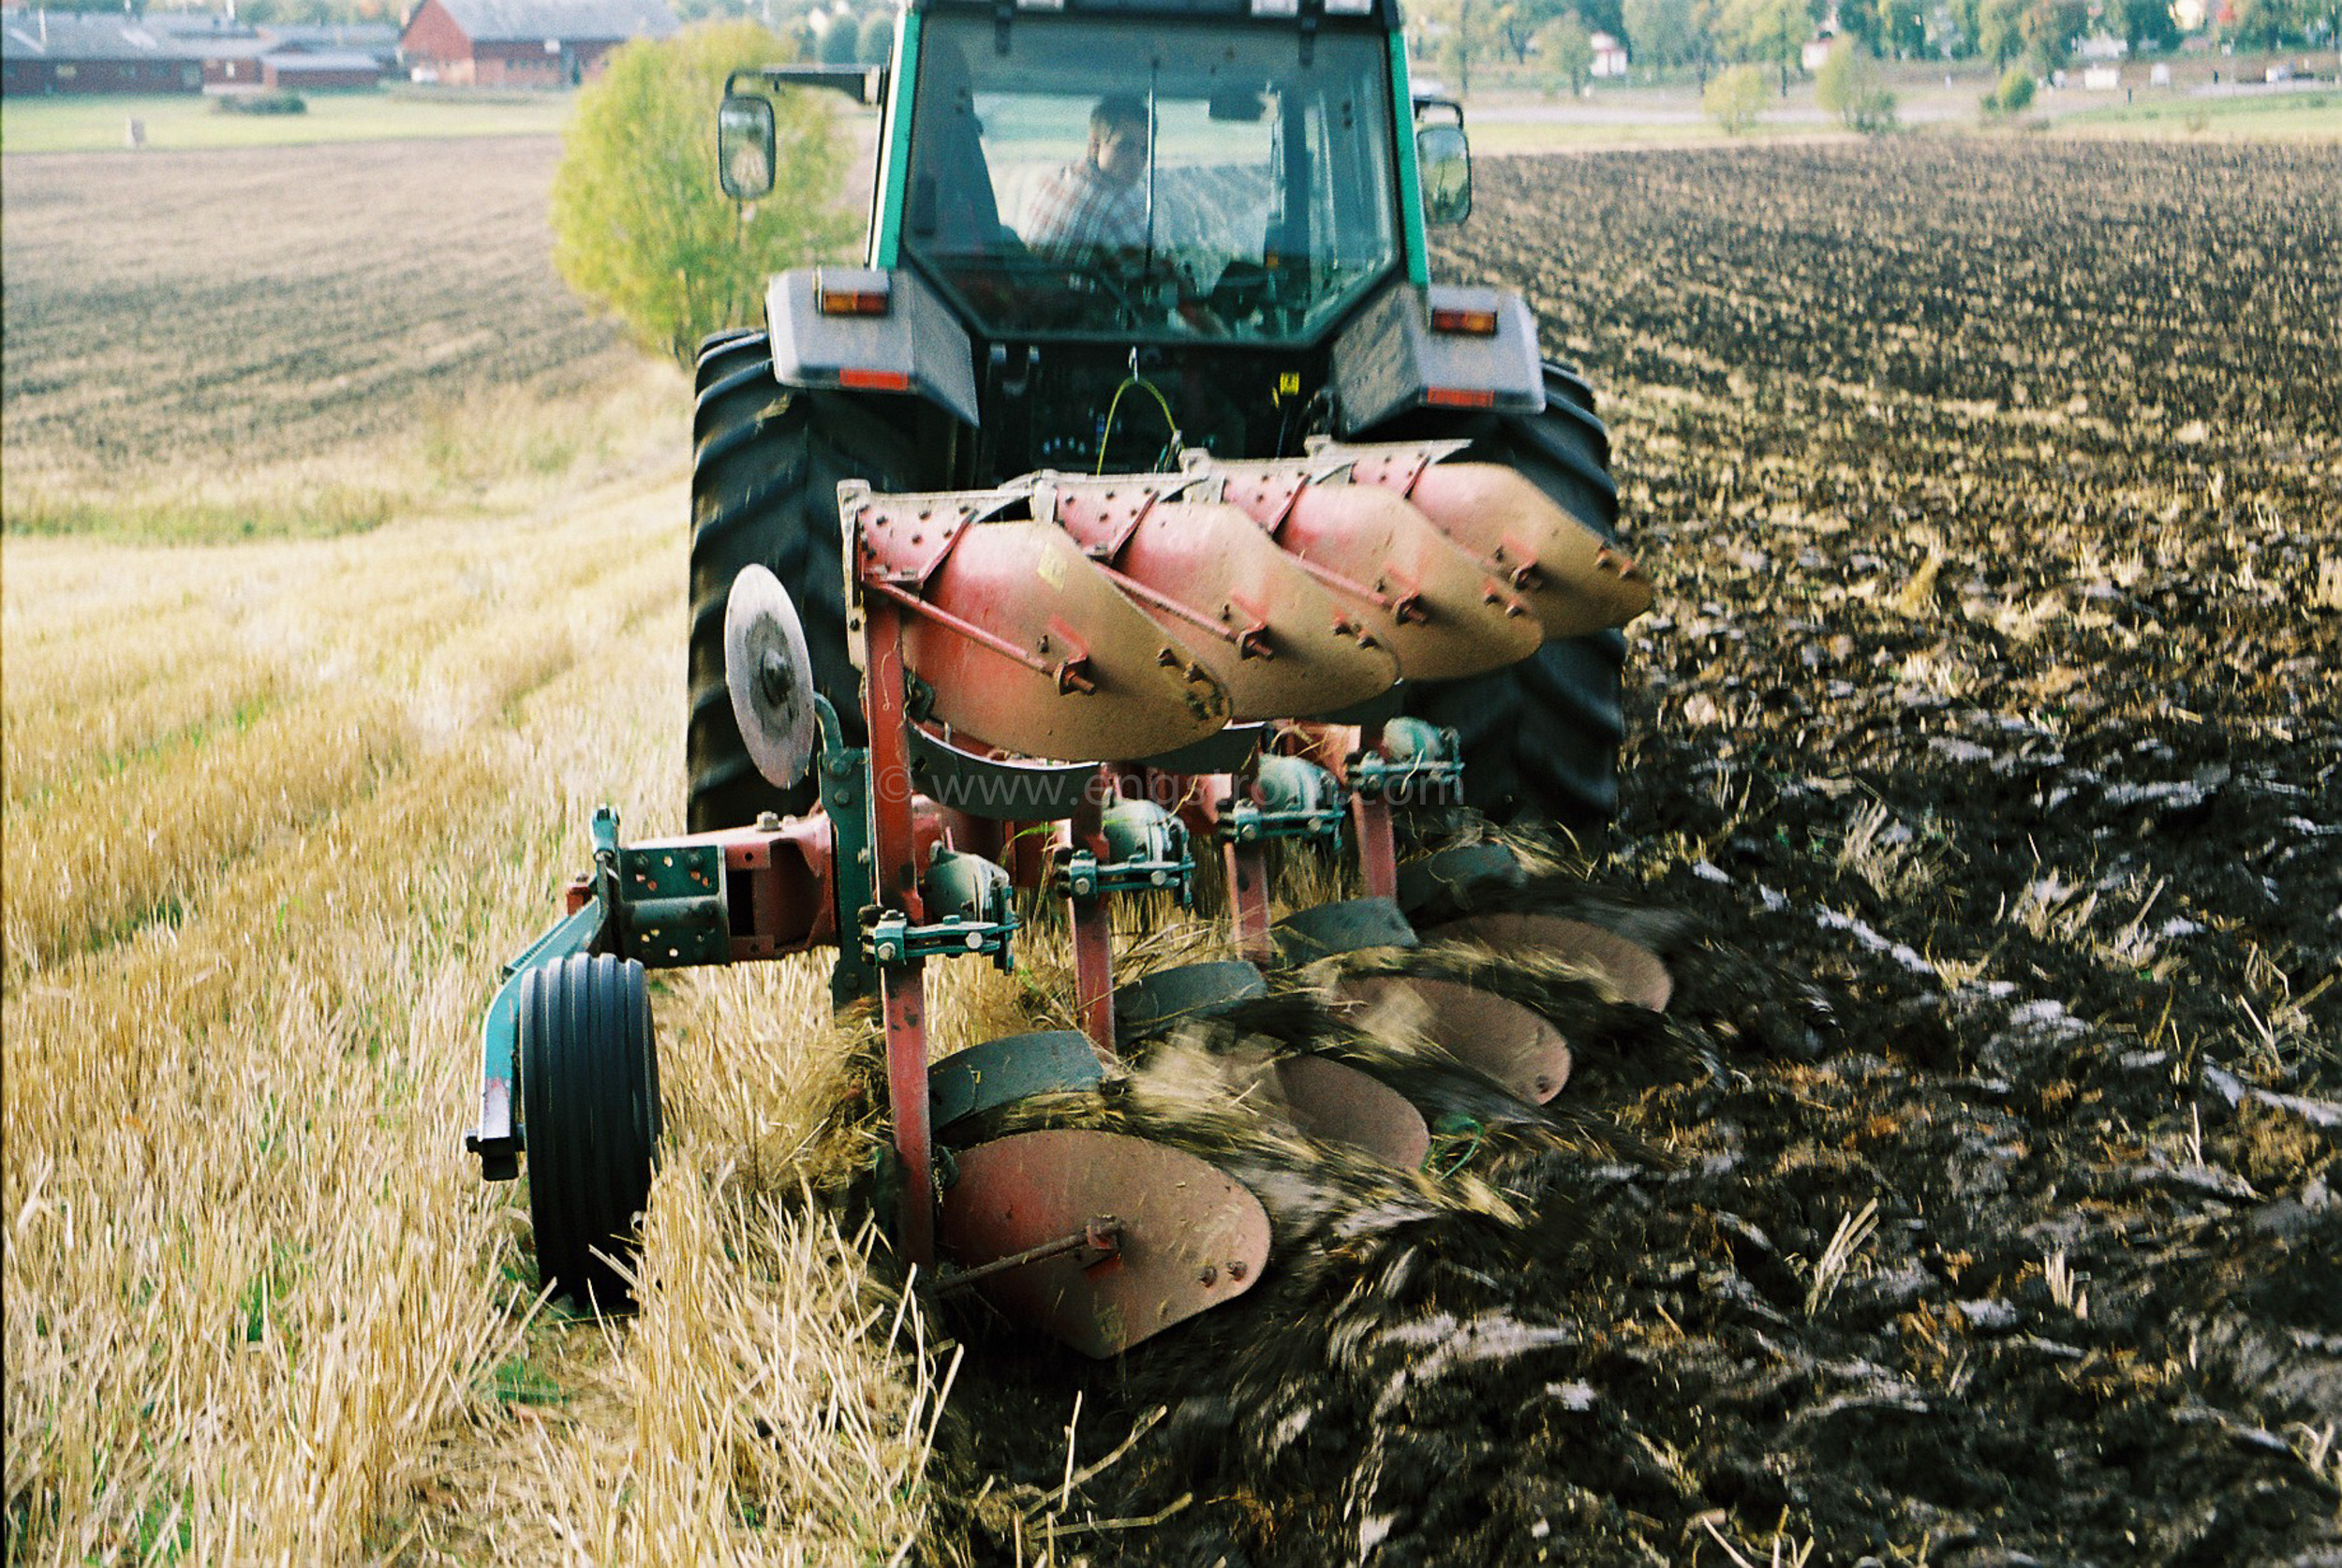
x=1540, y=740
x=589, y=1099
x=765, y=462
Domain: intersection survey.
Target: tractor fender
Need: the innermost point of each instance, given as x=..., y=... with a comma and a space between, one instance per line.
x=1392, y=358
x=903, y=338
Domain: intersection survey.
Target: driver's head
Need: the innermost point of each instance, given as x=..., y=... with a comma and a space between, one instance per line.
x=1118, y=137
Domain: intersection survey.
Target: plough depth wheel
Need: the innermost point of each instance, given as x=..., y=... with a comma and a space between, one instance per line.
x=590, y=1091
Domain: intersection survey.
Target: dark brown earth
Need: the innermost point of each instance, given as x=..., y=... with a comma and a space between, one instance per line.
x=1985, y=790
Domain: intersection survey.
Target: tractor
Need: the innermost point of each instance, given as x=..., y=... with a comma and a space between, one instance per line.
x=1278, y=289
x=1139, y=493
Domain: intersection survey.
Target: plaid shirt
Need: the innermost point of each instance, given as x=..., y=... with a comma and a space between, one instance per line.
x=1078, y=207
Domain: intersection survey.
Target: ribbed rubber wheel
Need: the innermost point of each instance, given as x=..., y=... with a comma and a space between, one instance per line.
x=1540, y=739
x=765, y=462
x=589, y=1099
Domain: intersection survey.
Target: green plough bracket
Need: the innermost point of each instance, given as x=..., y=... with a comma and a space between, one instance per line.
x=672, y=904
x=499, y=1139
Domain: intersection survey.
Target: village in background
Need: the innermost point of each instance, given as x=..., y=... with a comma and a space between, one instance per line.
x=1536, y=72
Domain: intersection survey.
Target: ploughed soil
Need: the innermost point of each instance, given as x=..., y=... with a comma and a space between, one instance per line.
x=1976, y=1200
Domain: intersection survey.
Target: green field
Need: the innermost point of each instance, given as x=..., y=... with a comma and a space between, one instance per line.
x=100, y=124
x=2157, y=115
x=1670, y=116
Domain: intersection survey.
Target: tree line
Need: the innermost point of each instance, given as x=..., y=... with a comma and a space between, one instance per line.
x=1553, y=39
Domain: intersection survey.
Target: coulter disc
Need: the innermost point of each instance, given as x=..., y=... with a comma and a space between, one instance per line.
x=769, y=673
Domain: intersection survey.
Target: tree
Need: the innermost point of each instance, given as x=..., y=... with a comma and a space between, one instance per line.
x=2148, y=23
x=1518, y=22
x=1469, y=35
x=1774, y=31
x=1849, y=86
x=1567, y=51
x=2000, y=29
x=1860, y=20
x=1903, y=27
x=640, y=226
x=837, y=39
x=2268, y=23
x=1735, y=98
x=1661, y=32
x=875, y=43
x=2050, y=28
x=1897, y=27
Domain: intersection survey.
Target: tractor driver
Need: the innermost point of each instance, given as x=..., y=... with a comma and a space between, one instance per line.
x=1099, y=202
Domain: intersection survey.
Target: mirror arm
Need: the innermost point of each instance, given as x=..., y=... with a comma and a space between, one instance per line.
x=1425, y=102
x=865, y=84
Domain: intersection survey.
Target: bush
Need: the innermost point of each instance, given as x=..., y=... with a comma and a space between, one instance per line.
x=2014, y=96
x=276, y=101
x=1849, y=86
x=1736, y=98
x=639, y=225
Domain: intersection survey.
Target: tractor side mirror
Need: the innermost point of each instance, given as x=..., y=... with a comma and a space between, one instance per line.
x=743, y=146
x=1445, y=157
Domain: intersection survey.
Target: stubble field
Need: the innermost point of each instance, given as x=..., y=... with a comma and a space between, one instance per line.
x=289, y=340
x=1974, y=1205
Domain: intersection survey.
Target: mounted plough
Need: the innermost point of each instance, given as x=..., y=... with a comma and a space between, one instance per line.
x=1143, y=663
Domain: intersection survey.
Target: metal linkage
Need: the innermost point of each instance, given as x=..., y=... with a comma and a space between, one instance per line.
x=1418, y=764
x=1146, y=853
x=891, y=941
x=970, y=897
x=1296, y=799
x=1095, y=1243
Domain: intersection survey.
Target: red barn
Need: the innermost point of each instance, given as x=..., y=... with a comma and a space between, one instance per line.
x=525, y=43
x=230, y=62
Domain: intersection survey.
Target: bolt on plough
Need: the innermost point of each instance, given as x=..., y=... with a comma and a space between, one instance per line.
x=1136, y=666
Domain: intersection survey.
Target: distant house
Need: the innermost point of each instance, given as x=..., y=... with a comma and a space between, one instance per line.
x=378, y=39
x=525, y=43
x=230, y=62
x=1609, y=56
x=1817, y=50
x=65, y=51
x=295, y=71
x=239, y=57
x=229, y=51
